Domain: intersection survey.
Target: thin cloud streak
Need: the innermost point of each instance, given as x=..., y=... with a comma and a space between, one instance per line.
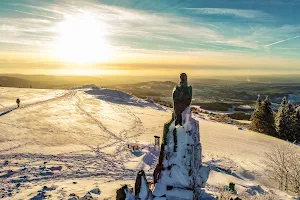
x=29, y=13
x=38, y=8
x=280, y=41
x=229, y=12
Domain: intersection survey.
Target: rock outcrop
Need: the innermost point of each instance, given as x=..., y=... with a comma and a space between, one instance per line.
x=181, y=174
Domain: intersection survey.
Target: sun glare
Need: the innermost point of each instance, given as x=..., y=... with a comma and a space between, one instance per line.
x=82, y=40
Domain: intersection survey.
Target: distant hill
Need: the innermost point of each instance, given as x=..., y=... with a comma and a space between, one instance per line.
x=6, y=81
x=148, y=89
x=67, y=82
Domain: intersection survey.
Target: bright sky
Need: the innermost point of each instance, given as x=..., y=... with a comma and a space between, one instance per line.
x=214, y=37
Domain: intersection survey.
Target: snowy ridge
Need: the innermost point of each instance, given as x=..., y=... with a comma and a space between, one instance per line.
x=119, y=97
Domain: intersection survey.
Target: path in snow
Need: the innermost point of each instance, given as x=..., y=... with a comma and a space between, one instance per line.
x=5, y=110
x=73, y=135
x=94, y=119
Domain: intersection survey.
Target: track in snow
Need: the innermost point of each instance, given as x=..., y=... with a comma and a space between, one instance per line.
x=65, y=95
x=96, y=121
x=7, y=110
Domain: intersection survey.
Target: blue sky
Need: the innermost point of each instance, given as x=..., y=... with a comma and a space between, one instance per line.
x=237, y=35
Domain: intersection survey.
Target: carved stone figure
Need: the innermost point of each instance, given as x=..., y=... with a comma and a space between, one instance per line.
x=182, y=97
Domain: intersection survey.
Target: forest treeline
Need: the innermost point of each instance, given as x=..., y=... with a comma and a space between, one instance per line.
x=285, y=124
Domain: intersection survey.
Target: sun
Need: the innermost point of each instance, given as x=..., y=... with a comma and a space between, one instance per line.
x=81, y=39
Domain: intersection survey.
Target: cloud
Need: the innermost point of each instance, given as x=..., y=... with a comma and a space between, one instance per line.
x=125, y=26
x=288, y=48
x=130, y=30
x=243, y=13
x=236, y=43
x=38, y=8
x=34, y=14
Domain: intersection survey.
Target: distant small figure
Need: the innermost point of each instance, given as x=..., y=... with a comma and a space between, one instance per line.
x=18, y=102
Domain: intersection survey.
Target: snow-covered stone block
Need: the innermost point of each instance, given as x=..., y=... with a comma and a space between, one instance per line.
x=160, y=190
x=95, y=191
x=181, y=175
x=203, y=175
x=144, y=193
x=160, y=198
x=182, y=156
x=177, y=193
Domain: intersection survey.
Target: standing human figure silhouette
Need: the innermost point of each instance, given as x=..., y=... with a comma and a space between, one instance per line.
x=18, y=102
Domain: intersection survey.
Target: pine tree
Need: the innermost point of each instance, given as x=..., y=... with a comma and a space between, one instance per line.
x=296, y=125
x=255, y=122
x=263, y=118
x=282, y=119
x=290, y=115
x=268, y=122
x=257, y=107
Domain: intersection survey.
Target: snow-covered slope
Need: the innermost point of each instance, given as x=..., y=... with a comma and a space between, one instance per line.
x=61, y=142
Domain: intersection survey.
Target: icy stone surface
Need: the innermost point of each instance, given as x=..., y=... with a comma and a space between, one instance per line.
x=96, y=191
x=160, y=198
x=143, y=195
x=182, y=163
x=129, y=196
x=182, y=194
x=160, y=190
x=183, y=174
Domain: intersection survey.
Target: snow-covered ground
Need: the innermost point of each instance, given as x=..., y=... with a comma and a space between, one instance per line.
x=64, y=142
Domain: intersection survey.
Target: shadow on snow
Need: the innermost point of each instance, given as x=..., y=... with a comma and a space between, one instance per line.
x=8, y=111
x=119, y=97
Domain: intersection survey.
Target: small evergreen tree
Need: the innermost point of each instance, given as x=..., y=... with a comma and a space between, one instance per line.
x=290, y=115
x=257, y=107
x=282, y=120
x=263, y=118
x=255, y=122
x=268, y=122
x=296, y=125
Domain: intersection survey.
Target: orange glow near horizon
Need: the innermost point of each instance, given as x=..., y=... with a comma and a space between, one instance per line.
x=86, y=72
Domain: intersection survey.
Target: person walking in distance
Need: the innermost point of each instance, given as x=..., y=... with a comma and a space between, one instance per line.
x=18, y=102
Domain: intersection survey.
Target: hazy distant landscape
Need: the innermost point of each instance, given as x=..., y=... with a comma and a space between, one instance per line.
x=220, y=94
